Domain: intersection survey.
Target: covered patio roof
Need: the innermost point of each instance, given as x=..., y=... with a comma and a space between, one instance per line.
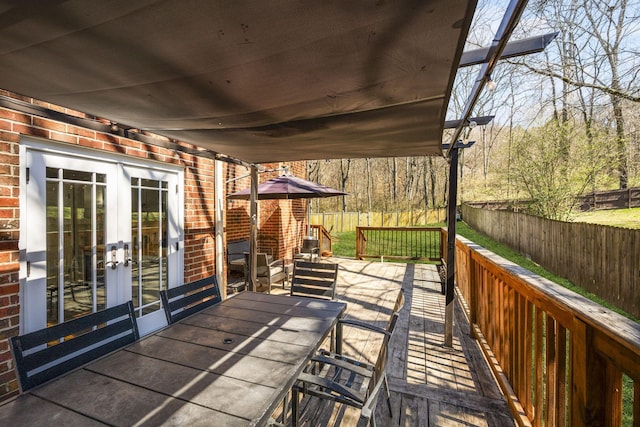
x=257, y=81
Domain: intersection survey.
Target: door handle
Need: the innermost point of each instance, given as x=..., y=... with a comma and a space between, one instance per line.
x=127, y=258
x=114, y=262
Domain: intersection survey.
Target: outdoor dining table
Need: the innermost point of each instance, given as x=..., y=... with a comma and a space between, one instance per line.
x=228, y=365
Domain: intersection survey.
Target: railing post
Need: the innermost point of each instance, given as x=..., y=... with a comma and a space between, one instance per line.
x=473, y=289
x=596, y=390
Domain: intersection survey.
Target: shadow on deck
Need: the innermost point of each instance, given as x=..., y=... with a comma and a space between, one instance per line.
x=430, y=385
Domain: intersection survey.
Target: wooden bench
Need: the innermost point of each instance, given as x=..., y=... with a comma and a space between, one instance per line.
x=184, y=300
x=45, y=354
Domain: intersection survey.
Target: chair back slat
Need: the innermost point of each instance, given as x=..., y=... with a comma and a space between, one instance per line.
x=380, y=366
x=79, y=341
x=185, y=300
x=314, y=279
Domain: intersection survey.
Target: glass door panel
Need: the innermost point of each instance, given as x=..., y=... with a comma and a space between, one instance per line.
x=152, y=262
x=75, y=240
x=149, y=236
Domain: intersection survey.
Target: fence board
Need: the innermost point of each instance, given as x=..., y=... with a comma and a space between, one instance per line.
x=601, y=259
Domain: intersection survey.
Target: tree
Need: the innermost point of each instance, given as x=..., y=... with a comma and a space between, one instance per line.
x=595, y=51
x=345, y=166
x=544, y=173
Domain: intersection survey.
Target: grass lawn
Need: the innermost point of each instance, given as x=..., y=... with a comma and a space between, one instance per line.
x=626, y=218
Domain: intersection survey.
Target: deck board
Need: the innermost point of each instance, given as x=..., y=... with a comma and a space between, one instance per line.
x=430, y=385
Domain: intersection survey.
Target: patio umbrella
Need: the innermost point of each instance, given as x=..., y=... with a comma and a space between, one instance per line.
x=288, y=187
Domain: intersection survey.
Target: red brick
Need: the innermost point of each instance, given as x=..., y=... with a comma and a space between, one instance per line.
x=9, y=311
x=8, y=213
x=8, y=376
x=8, y=333
x=91, y=143
x=9, y=202
x=30, y=130
x=82, y=132
x=14, y=116
x=49, y=124
x=9, y=136
x=106, y=137
x=64, y=137
x=10, y=289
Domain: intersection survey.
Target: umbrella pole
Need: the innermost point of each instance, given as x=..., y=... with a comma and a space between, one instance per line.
x=308, y=217
x=253, y=236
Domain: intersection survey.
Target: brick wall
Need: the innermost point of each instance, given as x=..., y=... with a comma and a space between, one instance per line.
x=282, y=223
x=9, y=255
x=199, y=219
x=199, y=245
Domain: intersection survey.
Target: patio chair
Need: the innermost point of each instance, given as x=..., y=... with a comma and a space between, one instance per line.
x=78, y=341
x=267, y=272
x=342, y=379
x=314, y=279
x=310, y=249
x=184, y=300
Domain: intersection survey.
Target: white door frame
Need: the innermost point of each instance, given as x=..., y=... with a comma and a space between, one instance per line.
x=32, y=244
x=174, y=239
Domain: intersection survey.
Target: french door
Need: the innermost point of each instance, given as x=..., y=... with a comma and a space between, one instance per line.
x=98, y=233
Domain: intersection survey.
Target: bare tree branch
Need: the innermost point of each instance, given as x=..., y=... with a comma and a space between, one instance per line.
x=605, y=89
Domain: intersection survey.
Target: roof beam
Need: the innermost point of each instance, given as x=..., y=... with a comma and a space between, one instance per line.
x=512, y=49
x=479, y=121
x=509, y=21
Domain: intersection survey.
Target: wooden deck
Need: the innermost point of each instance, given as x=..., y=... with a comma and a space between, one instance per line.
x=430, y=385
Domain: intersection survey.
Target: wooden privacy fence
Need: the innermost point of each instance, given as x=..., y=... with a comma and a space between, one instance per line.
x=601, y=259
x=612, y=199
x=559, y=357
x=399, y=243
x=339, y=222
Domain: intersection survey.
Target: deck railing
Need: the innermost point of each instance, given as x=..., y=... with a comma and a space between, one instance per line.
x=323, y=236
x=399, y=243
x=561, y=359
